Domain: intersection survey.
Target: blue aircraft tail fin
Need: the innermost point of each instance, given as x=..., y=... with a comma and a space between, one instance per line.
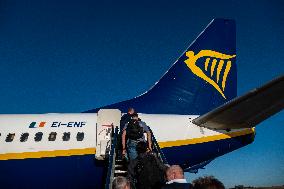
x=203, y=78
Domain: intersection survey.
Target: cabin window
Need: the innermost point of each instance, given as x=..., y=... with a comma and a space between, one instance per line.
x=24, y=137
x=10, y=137
x=52, y=136
x=66, y=136
x=38, y=136
x=80, y=136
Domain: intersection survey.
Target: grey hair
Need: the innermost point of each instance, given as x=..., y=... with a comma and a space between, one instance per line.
x=120, y=183
x=176, y=169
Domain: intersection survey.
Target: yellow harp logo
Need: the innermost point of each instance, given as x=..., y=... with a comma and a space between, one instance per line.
x=218, y=60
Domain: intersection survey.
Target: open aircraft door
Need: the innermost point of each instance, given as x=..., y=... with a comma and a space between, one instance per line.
x=108, y=119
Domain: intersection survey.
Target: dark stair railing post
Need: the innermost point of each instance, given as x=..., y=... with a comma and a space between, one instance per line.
x=157, y=148
x=111, y=163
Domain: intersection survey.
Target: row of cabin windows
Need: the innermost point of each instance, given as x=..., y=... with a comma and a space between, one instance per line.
x=38, y=136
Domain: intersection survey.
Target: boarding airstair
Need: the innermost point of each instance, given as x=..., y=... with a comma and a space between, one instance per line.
x=117, y=166
x=107, y=131
x=107, y=120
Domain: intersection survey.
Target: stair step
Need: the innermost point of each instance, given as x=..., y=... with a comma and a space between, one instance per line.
x=120, y=172
x=118, y=166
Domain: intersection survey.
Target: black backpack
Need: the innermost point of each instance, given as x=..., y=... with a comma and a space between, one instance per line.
x=134, y=131
x=149, y=174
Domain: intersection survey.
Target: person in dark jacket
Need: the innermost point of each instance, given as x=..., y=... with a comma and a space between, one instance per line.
x=146, y=171
x=175, y=177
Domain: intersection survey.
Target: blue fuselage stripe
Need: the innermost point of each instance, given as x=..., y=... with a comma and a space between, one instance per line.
x=84, y=171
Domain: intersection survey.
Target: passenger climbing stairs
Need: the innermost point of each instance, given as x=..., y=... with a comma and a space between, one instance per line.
x=117, y=166
x=108, y=143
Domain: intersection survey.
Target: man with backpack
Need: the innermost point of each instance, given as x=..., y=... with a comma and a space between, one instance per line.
x=146, y=171
x=134, y=132
x=123, y=121
x=126, y=118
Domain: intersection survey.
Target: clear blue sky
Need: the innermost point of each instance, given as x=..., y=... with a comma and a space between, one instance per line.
x=72, y=56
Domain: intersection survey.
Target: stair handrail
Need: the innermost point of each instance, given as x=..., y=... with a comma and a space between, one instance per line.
x=111, y=160
x=157, y=148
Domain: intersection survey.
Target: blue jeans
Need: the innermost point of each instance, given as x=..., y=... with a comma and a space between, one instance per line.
x=131, y=149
